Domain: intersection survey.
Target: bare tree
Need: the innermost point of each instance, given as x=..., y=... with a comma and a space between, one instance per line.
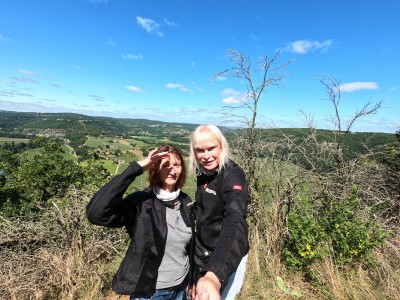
x=259, y=75
x=334, y=90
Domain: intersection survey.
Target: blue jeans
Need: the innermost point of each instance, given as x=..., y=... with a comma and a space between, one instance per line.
x=235, y=281
x=164, y=294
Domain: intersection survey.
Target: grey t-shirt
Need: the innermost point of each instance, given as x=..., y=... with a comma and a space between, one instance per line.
x=175, y=264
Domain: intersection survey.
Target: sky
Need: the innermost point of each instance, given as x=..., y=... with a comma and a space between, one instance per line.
x=156, y=59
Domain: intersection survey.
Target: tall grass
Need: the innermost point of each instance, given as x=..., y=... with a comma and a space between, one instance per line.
x=324, y=279
x=59, y=255
x=380, y=281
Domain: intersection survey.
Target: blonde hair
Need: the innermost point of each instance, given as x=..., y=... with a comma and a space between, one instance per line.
x=203, y=135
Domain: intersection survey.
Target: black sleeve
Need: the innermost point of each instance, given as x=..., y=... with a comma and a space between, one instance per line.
x=233, y=241
x=106, y=207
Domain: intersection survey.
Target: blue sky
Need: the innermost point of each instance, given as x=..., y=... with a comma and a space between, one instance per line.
x=155, y=59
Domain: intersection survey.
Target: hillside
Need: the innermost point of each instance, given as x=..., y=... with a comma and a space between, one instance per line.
x=76, y=128
x=25, y=124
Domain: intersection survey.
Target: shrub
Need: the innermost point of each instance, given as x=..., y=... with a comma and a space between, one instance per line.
x=340, y=228
x=27, y=183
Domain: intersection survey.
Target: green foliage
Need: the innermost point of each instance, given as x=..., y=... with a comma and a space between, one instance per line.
x=27, y=183
x=338, y=228
x=8, y=163
x=282, y=286
x=354, y=144
x=392, y=155
x=392, y=158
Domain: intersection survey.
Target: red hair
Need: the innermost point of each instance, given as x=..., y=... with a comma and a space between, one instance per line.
x=154, y=173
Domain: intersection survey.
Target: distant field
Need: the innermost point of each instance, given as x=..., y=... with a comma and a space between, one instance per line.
x=144, y=138
x=128, y=158
x=123, y=145
x=135, y=142
x=151, y=139
x=110, y=166
x=4, y=140
x=67, y=154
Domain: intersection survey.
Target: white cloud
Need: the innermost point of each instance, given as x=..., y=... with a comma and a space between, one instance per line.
x=25, y=79
x=169, y=23
x=132, y=56
x=176, y=86
x=306, y=46
x=111, y=42
x=26, y=72
x=232, y=96
x=149, y=25
x=191, y=111
x=97, y=98
x=231, y=100
x=221, y=78
x=358, y=86
x=230, y=92
x=133, y=88
x=4, y=39
x=255, y=37
x=203, y=115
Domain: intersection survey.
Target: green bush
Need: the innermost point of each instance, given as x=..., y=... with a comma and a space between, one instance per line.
x=27, y=183
x=339, y=228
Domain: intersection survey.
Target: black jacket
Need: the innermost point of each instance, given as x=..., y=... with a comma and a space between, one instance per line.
x=144, y=217
x=222, y=233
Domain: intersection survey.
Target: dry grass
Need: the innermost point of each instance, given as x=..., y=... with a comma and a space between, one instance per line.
x=378, y=282
x=58, y=256
x=61, y=256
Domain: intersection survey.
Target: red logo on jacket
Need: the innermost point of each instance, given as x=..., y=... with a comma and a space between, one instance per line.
x=237, y=187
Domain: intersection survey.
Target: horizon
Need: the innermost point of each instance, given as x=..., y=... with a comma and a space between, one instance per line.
x=154, y=60
x=223, y=127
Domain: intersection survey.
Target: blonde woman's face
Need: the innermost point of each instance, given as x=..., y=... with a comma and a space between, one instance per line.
x=208, y=155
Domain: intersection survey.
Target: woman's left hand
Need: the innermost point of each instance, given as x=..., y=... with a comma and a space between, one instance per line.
x=149, y=162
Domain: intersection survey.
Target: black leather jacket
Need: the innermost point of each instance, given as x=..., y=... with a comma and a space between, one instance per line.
x=143, y=216
x=222, y=232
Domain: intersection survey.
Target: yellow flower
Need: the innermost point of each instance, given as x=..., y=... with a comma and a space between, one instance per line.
x=353, y=252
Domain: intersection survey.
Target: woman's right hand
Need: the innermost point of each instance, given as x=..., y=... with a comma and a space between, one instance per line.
x=208, y=287
x=149, y=162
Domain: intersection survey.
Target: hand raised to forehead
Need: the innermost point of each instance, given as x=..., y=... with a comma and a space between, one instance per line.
x=149, y=162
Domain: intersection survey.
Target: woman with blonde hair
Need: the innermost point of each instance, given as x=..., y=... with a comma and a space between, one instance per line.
x=221, y=208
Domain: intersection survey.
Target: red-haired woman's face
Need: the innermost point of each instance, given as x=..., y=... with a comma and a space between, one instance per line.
x=170, y=171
